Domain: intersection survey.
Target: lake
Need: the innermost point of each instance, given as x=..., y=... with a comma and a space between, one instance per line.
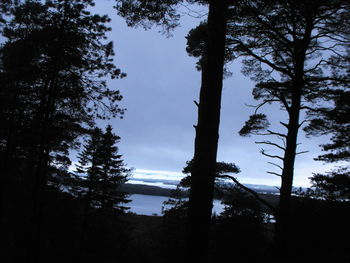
x=152, y=205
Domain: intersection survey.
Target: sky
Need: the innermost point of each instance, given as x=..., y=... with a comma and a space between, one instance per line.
x=157, y=134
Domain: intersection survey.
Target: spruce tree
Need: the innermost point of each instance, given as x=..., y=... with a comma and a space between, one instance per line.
x=103, y=171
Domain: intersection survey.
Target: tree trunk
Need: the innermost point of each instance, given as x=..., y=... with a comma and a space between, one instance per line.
x=207, y=135
x=283, y=211
x=282, y=234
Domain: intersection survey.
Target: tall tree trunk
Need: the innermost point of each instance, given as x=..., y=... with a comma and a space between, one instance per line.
x=283, y=211
x=207, y=135
x=282, y=234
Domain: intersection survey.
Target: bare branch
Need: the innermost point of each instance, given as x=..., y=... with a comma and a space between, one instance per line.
x=263, y=103
x=277, y=134
x=271, y=143
x=257, y=107
x=284, y=124
x=269, y=155
x=279, y=175
x=249, y=105
x=301, y=152
x=302, y=123
x=276, y=165
x=283, y=141
x=197, y=104
x=272, y=133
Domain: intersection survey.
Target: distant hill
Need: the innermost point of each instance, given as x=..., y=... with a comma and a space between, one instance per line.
x=162, y=191
x=145, y=189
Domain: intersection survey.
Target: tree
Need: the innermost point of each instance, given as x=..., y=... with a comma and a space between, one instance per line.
x=332, y=186
x=104, y=172
x=287, y=45
x=163, y=13
x=334, y=121
x=175, y=209
x=51, y=95
x=239, y=228
x=223, y=173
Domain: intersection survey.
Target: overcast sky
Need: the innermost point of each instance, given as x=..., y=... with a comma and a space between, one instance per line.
x=157, y=134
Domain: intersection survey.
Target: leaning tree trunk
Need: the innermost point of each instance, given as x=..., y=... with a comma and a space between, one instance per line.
x=207, y=135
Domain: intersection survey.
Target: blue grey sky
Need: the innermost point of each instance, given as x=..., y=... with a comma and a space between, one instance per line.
x=157, y=134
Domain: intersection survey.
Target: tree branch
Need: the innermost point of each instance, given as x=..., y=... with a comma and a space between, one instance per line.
x=284, y=124
x=265, y=61
x=257, y=107
x=277, y=174
x=301, y=152
x=272, y=133
x=255, y=194
x=277, y=134
x=271, y=143
x=276, y=165
x=271, y=156
x=302, y=123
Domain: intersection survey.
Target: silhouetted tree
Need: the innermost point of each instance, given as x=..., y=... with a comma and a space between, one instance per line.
x=104, y=172
x=52, y=94
x=238, y=230
x=287, y=45
x=164, y=13
x=175, y=209
x=334, y=120
x=223, y=173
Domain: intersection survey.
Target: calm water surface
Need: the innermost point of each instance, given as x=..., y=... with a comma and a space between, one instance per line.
x=151, y=205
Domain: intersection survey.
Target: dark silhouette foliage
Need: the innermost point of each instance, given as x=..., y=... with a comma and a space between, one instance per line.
x=255, y=124
x=54, y=64
x=286, y=52
x=103, y=172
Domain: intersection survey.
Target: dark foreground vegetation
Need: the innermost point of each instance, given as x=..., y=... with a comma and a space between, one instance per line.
x=242, y=233
x=56, y=72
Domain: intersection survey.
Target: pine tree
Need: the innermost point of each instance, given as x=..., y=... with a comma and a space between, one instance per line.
x=334, y=120
x=287, y=47
x=104, y=171
x=164, y=13
x=54, y=64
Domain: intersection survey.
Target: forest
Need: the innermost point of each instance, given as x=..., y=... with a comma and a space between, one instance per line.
x=57, y=105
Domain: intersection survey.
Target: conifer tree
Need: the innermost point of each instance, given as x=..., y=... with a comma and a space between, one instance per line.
x=103, y=171
x=288, y=47
x=54, y=64
x=334, y=119
x=164, y=13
